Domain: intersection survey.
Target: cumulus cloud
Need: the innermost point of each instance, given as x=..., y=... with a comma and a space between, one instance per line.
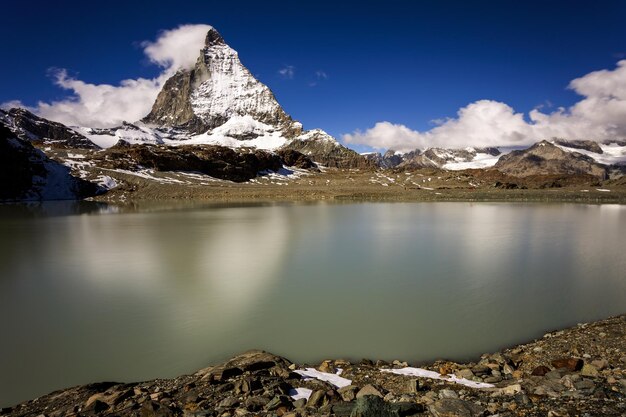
x=177, y=48
x=103, y=105
x=287, y=72
x=599, y=115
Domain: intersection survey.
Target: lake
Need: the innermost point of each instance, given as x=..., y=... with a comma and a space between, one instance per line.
x=90, y=292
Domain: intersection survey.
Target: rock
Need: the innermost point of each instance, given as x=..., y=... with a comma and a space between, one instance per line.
x=453, y=407
x=229, y=402
x=300, y=403
x=293, y=158
x=586, y=386
x=540, y=371
x=480, y=370
x=322, y=148
x=279, y=401
x=465, y=373
x=247, y=385
x=508, y=390
x=571, y=364
x=256, y=403
x=448, y=393
x=411, y=386
x=343, y=409
x=327, y=366
x=589, y=370
x=369, y=390
x=250, y=361
x=217, y=161
x=155, y=409
x=600, y=364
x=373, y=406
x=96, y=406
x=317, y=399
x=348, y=393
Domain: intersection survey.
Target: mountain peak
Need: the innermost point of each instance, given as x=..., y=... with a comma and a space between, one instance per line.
x=218, y=88
x=213, y=38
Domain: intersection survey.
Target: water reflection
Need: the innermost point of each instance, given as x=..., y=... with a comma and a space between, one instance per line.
x=141, y=294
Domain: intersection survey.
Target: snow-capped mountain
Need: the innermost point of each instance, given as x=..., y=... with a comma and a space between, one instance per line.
x=450, y=159
x=29, y=127
x=218, y=89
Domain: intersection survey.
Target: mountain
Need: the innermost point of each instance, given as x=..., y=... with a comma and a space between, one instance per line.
x=29, y=127
x=215, y=91
x=26, y=173
x=450, y=159
x=219, y=102
x=546, y=158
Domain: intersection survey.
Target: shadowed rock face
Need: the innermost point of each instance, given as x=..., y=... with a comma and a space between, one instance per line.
x=322, y=148
x=544, y=158
x=27, y=126
x=296, y=159
x=217, y=88
x=587, y=145
x=216, y=161
x=26, y=173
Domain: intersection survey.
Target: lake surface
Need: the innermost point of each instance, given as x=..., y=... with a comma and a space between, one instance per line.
x=88, y=294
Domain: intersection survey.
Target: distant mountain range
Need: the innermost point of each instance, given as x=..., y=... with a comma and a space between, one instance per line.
x=217, y=119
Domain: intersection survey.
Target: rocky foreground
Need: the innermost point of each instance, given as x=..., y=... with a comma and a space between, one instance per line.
x=579, y=371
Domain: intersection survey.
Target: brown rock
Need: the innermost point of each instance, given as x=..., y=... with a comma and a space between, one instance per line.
x=571, y=364
x=348, y=393
x=540, y=371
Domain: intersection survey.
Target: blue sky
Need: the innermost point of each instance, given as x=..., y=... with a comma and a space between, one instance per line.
x=402, y=62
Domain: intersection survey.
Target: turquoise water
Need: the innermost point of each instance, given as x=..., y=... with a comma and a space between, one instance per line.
x=92, y=292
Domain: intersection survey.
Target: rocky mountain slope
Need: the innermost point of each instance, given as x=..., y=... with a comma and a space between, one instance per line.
x=545, y=158
x=450, y=159
x=29, y=127
x=26, y=173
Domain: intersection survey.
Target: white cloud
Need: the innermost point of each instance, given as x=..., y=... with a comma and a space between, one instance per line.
x=102, y=105
x=288, y=72
x=177, y=48
x=385, y=135
x=599, y=115
x=321, y=75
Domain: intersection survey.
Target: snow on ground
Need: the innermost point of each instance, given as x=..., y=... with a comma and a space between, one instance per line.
x=269, y=141
x=481, y=160
x=149, y=175
x=425, y=373
x=106, y=182
x=333, y=379
x=298, y=393
x=612, y=153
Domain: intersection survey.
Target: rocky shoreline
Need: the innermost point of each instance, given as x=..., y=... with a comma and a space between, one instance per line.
x=577, y=371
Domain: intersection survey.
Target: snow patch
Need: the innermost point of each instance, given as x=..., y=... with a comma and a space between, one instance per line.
x=425, y=373
x=299, y=393
x=333, y=379
x=106, y=182
x=481, y=160
x=613, y=154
